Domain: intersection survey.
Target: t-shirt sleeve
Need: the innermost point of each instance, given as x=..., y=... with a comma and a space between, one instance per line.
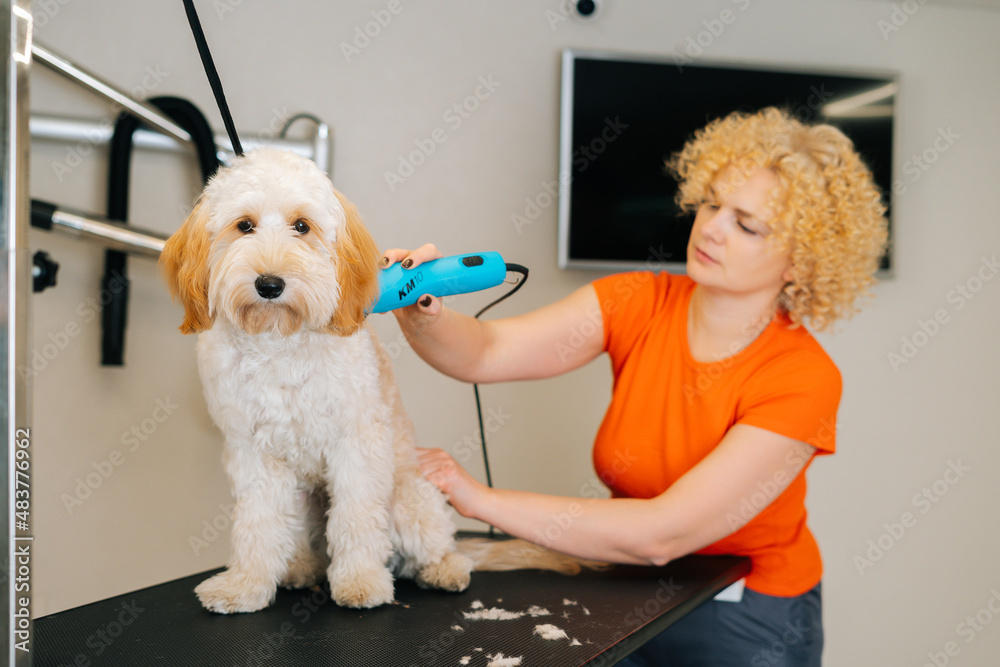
x=796, y=396
x=627, y=302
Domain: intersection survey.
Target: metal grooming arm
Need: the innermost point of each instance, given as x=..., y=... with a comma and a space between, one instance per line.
x=98, y=133
x=113, y=235
x=76, y=73
x=170, y=136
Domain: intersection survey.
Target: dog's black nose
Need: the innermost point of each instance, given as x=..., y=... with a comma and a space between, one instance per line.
x=269, y=287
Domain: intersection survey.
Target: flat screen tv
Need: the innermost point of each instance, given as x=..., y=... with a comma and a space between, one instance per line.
x=623, y=116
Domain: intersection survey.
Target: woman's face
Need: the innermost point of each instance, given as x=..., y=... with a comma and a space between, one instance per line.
x=728, y=248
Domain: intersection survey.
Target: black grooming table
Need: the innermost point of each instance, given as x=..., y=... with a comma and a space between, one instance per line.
x=605, y=615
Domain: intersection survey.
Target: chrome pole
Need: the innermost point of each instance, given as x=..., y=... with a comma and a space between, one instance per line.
x=144, y=112
x=16, y=641
x=176, y=137
x=98, y=133
x=114, y=235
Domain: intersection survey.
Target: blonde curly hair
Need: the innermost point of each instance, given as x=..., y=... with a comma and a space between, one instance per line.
x=828, y=212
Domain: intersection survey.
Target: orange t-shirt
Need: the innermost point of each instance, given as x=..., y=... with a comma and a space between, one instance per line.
x=669, y=411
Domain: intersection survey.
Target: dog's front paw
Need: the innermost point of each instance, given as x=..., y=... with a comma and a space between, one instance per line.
x=369, y=587
x=451, y=573
x=232, y=592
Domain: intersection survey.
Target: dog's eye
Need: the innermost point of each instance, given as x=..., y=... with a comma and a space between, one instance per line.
x=244, y=226
x=300, y=226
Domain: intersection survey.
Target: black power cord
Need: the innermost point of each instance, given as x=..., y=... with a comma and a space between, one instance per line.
x=512, y=268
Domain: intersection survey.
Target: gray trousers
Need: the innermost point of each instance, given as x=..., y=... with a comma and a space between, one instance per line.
x=759, y=631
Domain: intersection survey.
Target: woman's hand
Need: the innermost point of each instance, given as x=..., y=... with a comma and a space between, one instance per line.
x=422, y=313
x=463, y=492
x=410, y=258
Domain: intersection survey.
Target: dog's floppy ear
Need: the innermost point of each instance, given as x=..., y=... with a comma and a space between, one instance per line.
x=184, y=262
x=357, y=272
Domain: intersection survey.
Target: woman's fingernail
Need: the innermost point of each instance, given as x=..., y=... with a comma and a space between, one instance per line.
x=426, y=301
x=383, y=263
x=407, y=263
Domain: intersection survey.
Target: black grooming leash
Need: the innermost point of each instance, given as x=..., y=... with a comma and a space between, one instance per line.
x=213, y=75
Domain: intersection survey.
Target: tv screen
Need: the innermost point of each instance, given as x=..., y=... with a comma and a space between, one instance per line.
x=623, y=117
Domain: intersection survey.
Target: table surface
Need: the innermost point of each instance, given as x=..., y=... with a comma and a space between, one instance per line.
x=605, y=616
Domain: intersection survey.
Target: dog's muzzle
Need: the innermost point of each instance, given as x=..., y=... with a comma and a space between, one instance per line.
x=269, y=287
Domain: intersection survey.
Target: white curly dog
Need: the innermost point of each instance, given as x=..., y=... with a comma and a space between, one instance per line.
x=275, y=269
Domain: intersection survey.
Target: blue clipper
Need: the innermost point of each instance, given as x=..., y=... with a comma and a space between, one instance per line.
x=458, y=274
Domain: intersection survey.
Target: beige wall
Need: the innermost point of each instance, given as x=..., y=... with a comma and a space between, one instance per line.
x=901, y=428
